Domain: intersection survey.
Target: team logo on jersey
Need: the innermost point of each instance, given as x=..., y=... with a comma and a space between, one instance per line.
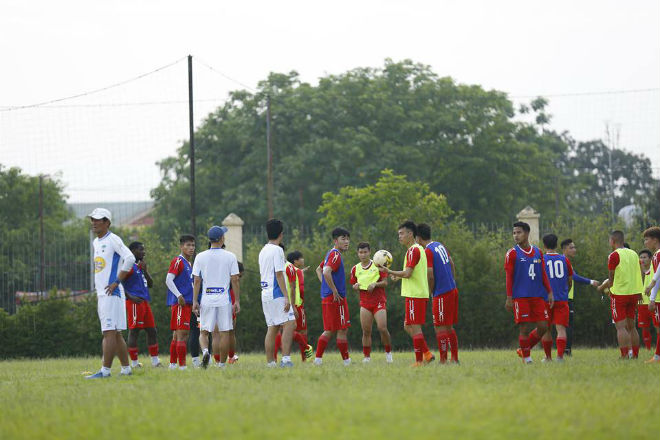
x=215, y=290
x=99, y=264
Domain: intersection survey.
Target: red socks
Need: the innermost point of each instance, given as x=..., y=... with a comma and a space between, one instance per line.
x=561, y=347
x=367, y=351
x=181, y=352
x=547, y=347
x=320, y=345
x=133, y=353
x=217, y=357
x=646, y=337
x=342, y=346
x=524, y=345
x=153, y=350
x=419, y=344
x=230, y=355
x=624, y=351
x=453, y=344
x=533, y=339
x=302, y=343
x=635, y=349
x=443, y=341
x=173, y=355
x=388, y=348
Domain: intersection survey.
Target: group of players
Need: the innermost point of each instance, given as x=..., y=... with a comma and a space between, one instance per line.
x=204, y=296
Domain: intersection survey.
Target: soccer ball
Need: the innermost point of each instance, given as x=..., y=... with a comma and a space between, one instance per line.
x=383, y=258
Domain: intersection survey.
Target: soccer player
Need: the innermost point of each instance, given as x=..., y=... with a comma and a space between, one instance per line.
x=275, y=300
x=112, y=262
x=643, y=314
x=526, y=280
x=569, y=250
x=136, y=287
x=231, y=355
x=415, y=290
x=560, y=275
x=218, y=269
x=652, y=243
x=370, y=282
x=179, y=299
x=442, y=283
x=625, y=284
x=296, y=284
x=336, y=318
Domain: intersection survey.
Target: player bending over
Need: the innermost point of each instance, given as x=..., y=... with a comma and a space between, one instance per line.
x=370, y=281
x=526, y=285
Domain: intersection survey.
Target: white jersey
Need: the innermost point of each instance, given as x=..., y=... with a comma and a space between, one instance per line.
x=271, y=261
x=110, y=257
x=215, y=267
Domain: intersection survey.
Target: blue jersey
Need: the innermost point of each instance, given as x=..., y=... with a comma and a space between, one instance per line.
x=443, y=278
x=136, y=284
x=528, y=274
x=558, y=271
x=334, y=260
x=183, y=280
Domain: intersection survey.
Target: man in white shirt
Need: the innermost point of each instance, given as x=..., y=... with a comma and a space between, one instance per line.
x=112, y=263
x=276, y=300
x=214, y=270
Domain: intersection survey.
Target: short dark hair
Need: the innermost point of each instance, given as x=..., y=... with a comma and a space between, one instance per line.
x=135, y=245
x=274, y=228
x=617, y=236
x=283, y=247
x=653, y=232
x=241, y=268
x=293, y=256
x=626, y=245
x=363, y=245
x=550, y=241
x=524, y=226
x=566, y=242
x=185, y=238
x=646, y=251
x=424, y=231
x=340, y=232
x=409, y=225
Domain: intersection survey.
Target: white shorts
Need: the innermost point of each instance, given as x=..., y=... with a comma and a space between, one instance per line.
x=212, y=316
x=112, y=312
x=274, y=312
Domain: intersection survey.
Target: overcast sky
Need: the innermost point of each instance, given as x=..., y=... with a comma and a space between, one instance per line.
x=526, y=48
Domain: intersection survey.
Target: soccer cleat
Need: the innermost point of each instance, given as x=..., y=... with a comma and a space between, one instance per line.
x=388, y=358
x=158, y=365
x=519, y=352
x=366, y=360
x=137, y=365
x=428, y=357
x=97, y=375
x=454, y=362
x=271, y=364
x=560, y=359
x=547, y=359
x=318, y=361
x=309, y=351
x=347, y=362
x=527, y=360
x=417, y=364
x=231, y=360
x=654, y=360
x=128, y=373
x=173, y=366
x=287, y=364
x=205, y=360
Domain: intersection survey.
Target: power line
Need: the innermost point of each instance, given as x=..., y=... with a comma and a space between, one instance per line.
x=224, y=75
x=91, y=92
x=129, y=104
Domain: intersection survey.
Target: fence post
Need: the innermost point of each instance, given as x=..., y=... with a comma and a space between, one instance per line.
x=531, y=217
x=234, y=239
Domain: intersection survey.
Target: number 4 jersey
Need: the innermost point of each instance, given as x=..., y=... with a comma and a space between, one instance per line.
x=525, y=273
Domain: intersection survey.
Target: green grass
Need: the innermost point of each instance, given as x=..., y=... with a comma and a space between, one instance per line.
x=490, y=395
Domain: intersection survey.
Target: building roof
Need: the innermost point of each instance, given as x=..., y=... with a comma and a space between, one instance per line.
x=123, y=213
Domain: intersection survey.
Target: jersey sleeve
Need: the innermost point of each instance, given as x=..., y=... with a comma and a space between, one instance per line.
x=383, y=275
x=176, y=266
x=613, y=261
x=546, y=280
x=429, y=257
x=333, y=260
x=569, y=268
x=291, y=274
x=124, y=252
x=197, y=266
x=655, y=261
x=509, y=266
x=279, y=262
x=413, y=257
x=353, y=279
x=234, y=266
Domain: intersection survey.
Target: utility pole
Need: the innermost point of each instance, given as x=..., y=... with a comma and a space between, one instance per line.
x=42, y=250
x=269, y=153
x=191, y=123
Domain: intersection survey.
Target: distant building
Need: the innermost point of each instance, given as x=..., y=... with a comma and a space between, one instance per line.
x=126, y=214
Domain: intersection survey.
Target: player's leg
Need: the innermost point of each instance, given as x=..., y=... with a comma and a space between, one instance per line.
x=453, y=316
x=231, y=349
x=644, y=324
x=182, y=337
x=366, y=321
x=546, y=341
x=194, y=340
x=415, y=316
x=440, y=316
x=132, y=344
x=322, y=343
x=442, y=337
x=122, y=351
x=223, y=345
x=634, y=336
x=329, y=312
x=385, y=338
x=342, y=345
x=216, y=343
x=269, y=343
x=561, y=341
x=152, y=345
x=287, y=337
x=109, y=347
x=524, y=329
x=569, y=329
x=415, y=331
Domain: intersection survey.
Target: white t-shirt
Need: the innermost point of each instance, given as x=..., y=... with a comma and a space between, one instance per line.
x=271, y=260
x=111, y=256
x=215, y=266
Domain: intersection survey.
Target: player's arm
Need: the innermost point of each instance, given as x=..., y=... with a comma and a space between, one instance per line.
x=653, y=283
x=413, y=258
x=291, y=275
x=197, y=285
x=319, y=273
x=126, y=267
x=327, y=276
x=612, y=263
x=382, y=282
x=569, y=271
x=175, y=269
x=353, y=281
x=406, y=273
x=546, y=283
x=147, y=275
x=509, y=268
x=236, y=287
x=429, y=270
x=582, y=280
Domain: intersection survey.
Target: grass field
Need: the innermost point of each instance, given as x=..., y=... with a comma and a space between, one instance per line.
x=490, y=395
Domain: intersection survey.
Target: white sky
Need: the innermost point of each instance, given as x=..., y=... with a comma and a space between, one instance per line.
x=102, y=152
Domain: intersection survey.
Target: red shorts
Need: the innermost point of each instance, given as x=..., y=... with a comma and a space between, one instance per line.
x=180, y=319
x=643, y=316
x=656, y=315
x=138, y=315
x=623, y=306
x=529, y=310
x=374, y=306
x=559, y=313
x=415, y=311
x=301, y=320
x=335, y=314
x=445, y=308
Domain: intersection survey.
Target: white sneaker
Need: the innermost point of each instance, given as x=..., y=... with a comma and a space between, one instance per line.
x=184, y=368
x=544, y=360
x=235, y=357
x=347, y=362
x=527, y=360
x=318, y=361
x=272, y=364
x=388, y=358
x=173, y=366
x=366, y=360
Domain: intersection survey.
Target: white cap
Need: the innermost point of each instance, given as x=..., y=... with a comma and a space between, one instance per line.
x=100, y=213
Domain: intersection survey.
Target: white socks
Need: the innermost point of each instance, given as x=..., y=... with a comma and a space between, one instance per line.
x=105, y=371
